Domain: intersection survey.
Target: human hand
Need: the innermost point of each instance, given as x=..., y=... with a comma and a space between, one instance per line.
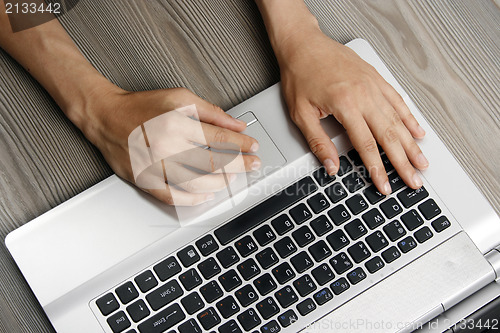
x=177, y=140
x=321, y=77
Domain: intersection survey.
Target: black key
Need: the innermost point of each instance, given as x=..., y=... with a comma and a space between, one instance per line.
x=138, y=310
x=163, y=320
x=271, y=326
x=353, y=182
x=167, y=268
x=355, y=158
x=267, y=308
x=228, y=257
x=190, y=326
x=126, y=292
x=267, y=258
x=303, y=236
x=407, y=244
x=211, y=291
x=429, y=209
x=286, y=296
x=283, y=273
x=356, y=204
x=336, y=192
x=230, y=280
x=246, y=246
x=396, y=182
x=344, y=167
x=118, y=322
x=339, y=286
x=288, y=318
x=230, y=327
x=282, y=224
x=318, y=203
x=355, y=229
x=423, y=234
x=376, y=241
x=391, y=208
x=373, y=195
x=209, y=268
x=190, y=279
x=265, y=284
x=374, y=264
x=387, y=164
x=264, y=235
x=359, y=252
x=188, y=256
x=323, y=296
x=409, y=196
x=391, y=254
x=304, y=285
x=373, y=218
x=306, y=306
x=146, y=281
x=208, y=318
x=300, y=213
x=248, y=269
x=440, y=224
x=164, y=294
x=192, y=303
x=394, y=230
x=322, y=177
x=265, y=210
x=301, y=262
x=412, y=220
x=227, y=306
x=341, y=263
x=356, y=275
x=249, y=319
x=246, y=295
x=285, y=247
x=321, y=225
x=207, y=245
x=319, y=251
x=323, y=274
x=107, y=304
x=337, y=239
x=339, y=214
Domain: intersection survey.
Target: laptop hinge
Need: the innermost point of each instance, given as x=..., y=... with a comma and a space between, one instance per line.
x=493, y=257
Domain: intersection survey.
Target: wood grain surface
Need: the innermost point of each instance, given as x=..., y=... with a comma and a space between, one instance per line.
x=446, y=54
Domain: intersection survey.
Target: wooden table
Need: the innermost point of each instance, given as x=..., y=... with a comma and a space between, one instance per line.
x=444, y=53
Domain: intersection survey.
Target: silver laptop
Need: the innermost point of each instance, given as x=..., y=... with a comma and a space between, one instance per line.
x=295, y=250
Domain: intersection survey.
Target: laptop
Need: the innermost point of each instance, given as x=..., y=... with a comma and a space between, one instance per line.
x=294, y=250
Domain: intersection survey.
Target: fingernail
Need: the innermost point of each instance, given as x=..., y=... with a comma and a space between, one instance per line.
x=254, y=147
x=255, y=165
x=422, y=160
x=417, y=181
x=387, y=188
x=240, y=121
x=421, y=130
x=330, y=166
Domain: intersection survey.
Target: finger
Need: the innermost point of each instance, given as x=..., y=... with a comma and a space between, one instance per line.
x=195, y=182
x=397, y=102
x=223, y=138
x=363, y=141
x=307, y=120
x=212, y=114
x=174, y=197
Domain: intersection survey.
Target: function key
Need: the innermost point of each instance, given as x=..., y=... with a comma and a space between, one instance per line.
x=207, y=245
x=373, y=195
x=246, y=246
x=282, y=224
x=318, y=203
x=355, y=158
x=391, y=208
x=119, y=322
x=429, y=209
x=305, y=307
x=192, y=303
x=271, y=326
x=209, y=268
x=146, y=281
x=107, y=304
x=353, y=182
x=374, y=264
x=407, y=244
x=412, y=220
x=391, y=254
x=268, y=308
x=208, y=318
x=227, y=257
x=409, y=196
x=339, y=286
x=163, y=320
x=323, y=296
x=336, y=192
x=288, y=318
x=188, y=256
x=355, y=229
x=339, y=214
x=394, y=230
x=440, y=224
x=345, y=166
x=264, y=235
x=322, y=177
x=165, y=294
x=321, y=225
x=357, y=275
x=300, y=213
x=167, y=268
x=249, y=319
x=396, y=182
x=126, y=292
x=356, y=204
x=423, y=234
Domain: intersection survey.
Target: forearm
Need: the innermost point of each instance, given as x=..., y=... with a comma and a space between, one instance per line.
x=50, y=56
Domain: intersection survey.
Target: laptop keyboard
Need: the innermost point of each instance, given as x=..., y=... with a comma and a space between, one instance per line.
x=280, y=260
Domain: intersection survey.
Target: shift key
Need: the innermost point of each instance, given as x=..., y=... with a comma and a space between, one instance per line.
x=165, y=294
x=163, y=320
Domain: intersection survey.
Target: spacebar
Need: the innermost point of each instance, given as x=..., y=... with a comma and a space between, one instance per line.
x=265, y=210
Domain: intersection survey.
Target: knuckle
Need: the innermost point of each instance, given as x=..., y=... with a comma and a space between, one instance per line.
x=370, y=146
x=390, y=135
x=317, y=145
x=220, y=135
x=395, y=118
